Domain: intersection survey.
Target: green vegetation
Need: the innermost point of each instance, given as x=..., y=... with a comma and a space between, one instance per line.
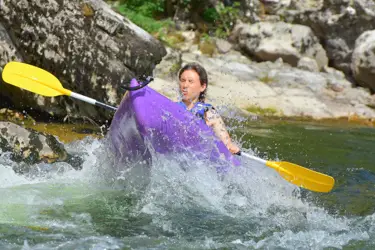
x=144, y=8
x=148, y=23
x=144, y=15
x=156, y=16
x=225, y=19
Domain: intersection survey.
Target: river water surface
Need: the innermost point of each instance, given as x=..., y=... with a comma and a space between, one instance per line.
x=190, y=207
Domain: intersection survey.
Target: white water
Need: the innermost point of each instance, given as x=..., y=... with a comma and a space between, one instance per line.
x=185, y=205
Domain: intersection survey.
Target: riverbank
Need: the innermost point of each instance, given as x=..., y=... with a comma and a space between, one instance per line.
x=283, y=75
x=275, y=65
x=270, y=89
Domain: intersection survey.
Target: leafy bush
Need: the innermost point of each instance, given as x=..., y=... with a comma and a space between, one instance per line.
x=222, y=17
x=210, y=15
x=144, y=8
x=145, y=22
x=228, y=16
x=219, y=18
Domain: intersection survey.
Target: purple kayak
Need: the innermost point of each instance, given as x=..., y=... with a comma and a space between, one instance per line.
x=148, y=121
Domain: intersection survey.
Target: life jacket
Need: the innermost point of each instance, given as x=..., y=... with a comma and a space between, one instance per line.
x=199, y=108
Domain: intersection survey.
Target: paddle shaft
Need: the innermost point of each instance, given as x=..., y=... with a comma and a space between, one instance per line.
x=92, y=101
x=254, y=158
x=78, y=96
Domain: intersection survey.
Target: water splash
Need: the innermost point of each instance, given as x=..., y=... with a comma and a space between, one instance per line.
x=183, y=202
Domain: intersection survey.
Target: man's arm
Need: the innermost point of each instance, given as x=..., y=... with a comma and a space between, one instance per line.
x=214, y=120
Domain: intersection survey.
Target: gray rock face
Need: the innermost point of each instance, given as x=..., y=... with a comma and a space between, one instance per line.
x=85, y=44
x=363, y=61
x=8, y=50
x=223, y=46
x=338, y=24
x=306, y=63
x=270, y=41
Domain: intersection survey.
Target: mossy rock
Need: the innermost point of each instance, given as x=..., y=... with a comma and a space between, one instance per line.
x=207, y=48
x=30, y=146
x=270, y=111
x=15, y=117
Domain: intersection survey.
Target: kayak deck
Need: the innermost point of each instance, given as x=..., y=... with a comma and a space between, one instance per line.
x=146, y=118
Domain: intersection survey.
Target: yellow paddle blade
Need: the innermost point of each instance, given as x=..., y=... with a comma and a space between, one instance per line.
x=303, y=177
x=33, y=79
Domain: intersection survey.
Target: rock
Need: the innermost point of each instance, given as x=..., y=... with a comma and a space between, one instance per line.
x=306, y=63
x=252, y=9
x=270, y=41
x=86, y=45
x=223, y=46
x=338, y=24
x=306, y=5
x=276, y=88
x=30, y=146
x=189, y=38
x=274, y=6
x=333, y=72
x=169, y=65
x=189, y=35
x=363, y=61
x=15, y=117
x=8, y=51
x=337, y=85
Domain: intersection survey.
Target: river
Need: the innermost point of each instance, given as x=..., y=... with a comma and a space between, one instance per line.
x=189, y=207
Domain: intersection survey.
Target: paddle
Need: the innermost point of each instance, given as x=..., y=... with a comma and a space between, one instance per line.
x=42, y=82
x=298, y=175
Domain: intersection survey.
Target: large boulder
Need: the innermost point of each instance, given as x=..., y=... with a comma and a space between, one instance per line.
x=268, y=41
x=85, y=44
x=8, y=50
x=337, y=24
x=363, y=62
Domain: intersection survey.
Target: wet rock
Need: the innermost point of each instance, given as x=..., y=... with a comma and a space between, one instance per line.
x=15, y=117
x=29, y=146
x=85, y=44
